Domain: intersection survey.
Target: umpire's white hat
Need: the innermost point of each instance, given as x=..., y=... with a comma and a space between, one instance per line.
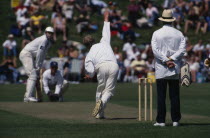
x=167, y=16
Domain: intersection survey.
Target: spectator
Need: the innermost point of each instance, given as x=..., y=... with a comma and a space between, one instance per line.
x=150, y=64
x=194, y=67
x=152, y=14
x=27, y=37
x=198, y=49
x=129, y=48
x=133, y=12
x=117, y=53
x=179, y=17
x=82, y=23
x=201, y=25
x=68, y=9
x=73, y=69
x=64, y=50
x=55, y=9
x=23, y=21
x=115, y=21
x=73, y=52
x=8, y=70
x=192, y=20
x=59, y=24
x=139, y=67
x=10, y=47
x=36, y=21
x=122, y=69
x=20, y=11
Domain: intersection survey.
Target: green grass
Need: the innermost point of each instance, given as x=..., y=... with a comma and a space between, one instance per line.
x=194, y=101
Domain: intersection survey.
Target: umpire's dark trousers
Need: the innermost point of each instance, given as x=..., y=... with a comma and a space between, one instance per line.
x=174, y=98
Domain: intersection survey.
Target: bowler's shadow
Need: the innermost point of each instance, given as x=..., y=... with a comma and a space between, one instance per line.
x=131, y=118
x=194, y=124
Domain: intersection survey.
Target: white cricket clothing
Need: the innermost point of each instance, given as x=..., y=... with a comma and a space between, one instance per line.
x=101, y=60
x=51, y=82
x=198, y=47
x=32, y=57
x=150, y=11
x=100, y=52
x=10, y=44
x=23, y=20
x=38, y=48
x=128, y=48
x=107, y=74
x=167, y=42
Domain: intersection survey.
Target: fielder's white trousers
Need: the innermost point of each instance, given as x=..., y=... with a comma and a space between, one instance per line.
x=28, y=63
x=107, y=73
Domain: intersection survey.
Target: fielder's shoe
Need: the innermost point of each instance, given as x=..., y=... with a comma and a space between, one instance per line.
x=175, y=124
x=30, y=99
x=97, y=108
x=160, y=124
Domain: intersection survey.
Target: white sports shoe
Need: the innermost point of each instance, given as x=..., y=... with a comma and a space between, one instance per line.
x=100, y=115
x=175, y=124
x=160, y=124
x=97, y=108
x=30, y=99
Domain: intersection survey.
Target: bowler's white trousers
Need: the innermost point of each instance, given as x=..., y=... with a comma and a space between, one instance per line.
x=107, y=73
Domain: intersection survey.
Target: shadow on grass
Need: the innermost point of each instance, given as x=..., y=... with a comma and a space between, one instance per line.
x=132, y=118
x=195, y=124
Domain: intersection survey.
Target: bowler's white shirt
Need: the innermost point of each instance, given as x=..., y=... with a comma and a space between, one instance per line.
x=100, y=52
x=38, y=48
x=10, y=44
x=50, y=81
x=167, y=42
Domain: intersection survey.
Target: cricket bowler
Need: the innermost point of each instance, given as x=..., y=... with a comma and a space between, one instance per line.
x=32, y=57
x=53, y=81
x=101, y=60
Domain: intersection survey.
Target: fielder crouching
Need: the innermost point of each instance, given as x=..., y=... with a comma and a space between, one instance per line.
x=32, y=57
x=53, y=81
x=101, y=60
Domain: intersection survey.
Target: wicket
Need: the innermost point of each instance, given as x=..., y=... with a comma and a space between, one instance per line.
x=145, y=82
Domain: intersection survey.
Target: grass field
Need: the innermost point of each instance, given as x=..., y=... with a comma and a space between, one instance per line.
x=72, y=118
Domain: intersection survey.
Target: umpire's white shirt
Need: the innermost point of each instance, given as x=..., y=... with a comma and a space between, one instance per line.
x=52, y=82
x=100, y=52
x=38, y=48
x=167, y=42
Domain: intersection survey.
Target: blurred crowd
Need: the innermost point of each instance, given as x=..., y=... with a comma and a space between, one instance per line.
x=135, y=60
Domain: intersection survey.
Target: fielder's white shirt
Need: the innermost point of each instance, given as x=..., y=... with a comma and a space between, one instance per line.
x=167, y=42
x=10, y=44
x=38, y=48
x=100, y=52
x=51, y=82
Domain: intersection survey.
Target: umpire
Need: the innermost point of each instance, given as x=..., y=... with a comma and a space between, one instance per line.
x=168, y=46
